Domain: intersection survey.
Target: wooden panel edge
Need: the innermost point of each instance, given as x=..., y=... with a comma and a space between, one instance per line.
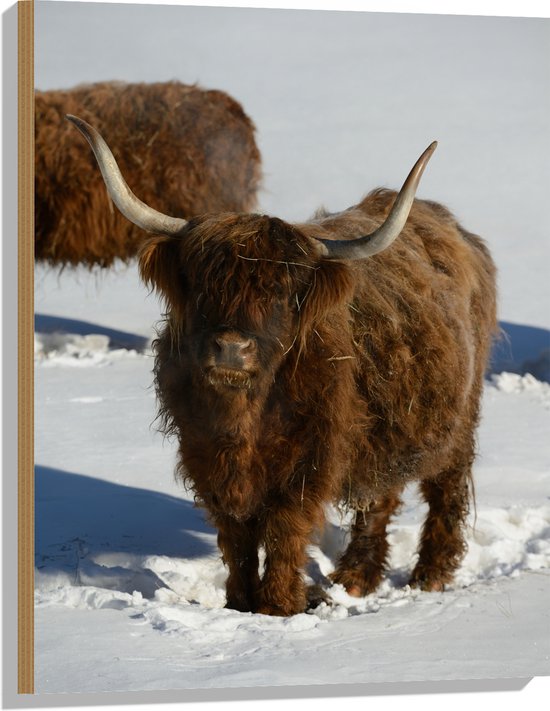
x=25, y=340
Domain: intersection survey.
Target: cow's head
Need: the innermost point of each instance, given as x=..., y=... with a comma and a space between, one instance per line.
x=244, y=289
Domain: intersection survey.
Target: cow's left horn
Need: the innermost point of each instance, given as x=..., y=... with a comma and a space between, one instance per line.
x=131, y=206
x=384, y=235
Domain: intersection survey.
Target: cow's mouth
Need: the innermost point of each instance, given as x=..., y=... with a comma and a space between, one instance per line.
x=229, y=378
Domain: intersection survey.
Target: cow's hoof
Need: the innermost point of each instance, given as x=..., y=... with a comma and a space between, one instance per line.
x=428, y=581
x=356, y=585
x=317, y=595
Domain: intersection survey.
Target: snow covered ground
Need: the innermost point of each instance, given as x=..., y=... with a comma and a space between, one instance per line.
x=130, y=588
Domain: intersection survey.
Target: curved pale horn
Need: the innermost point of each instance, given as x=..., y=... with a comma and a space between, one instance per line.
x=384, y=235
x=131, y=206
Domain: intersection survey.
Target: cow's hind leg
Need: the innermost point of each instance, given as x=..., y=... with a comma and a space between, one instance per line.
x=442, y=544
x=361, y=567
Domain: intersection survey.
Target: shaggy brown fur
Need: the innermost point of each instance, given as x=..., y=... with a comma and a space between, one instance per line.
x=354, y=378
x=188, y=151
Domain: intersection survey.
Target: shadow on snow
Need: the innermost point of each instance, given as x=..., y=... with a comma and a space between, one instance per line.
x=44, y=323
x=522, y=349
x=79, y=519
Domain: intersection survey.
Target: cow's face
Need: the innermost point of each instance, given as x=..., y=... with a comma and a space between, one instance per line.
x=240, y=289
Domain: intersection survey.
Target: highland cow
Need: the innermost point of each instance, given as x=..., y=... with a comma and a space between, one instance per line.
x=330, y=361
x=190, y=151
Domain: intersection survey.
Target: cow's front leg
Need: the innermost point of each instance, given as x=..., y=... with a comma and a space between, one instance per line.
x=285, y=534
x=238, y=542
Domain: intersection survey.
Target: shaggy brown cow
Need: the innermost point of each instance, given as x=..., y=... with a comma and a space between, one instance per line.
x=190, y=151
x=320, y=362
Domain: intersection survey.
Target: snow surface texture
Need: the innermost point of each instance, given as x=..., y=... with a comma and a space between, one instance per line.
x=130, y=586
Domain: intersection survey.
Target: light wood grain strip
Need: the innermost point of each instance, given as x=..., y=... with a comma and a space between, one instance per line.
x=25, y=524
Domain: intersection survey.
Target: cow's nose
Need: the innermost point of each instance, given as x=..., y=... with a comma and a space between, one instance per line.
x=233, y=350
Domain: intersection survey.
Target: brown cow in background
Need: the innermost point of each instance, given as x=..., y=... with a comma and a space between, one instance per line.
x=189, y=150
x=331, y=361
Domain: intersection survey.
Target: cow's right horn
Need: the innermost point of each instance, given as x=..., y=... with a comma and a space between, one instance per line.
x=367, y=245
x=131, y=206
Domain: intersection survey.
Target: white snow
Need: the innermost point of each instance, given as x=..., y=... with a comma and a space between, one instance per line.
x=129, y=582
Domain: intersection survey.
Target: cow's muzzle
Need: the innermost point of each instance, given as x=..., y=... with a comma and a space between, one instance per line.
x=232, y=360
x=234, y=350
